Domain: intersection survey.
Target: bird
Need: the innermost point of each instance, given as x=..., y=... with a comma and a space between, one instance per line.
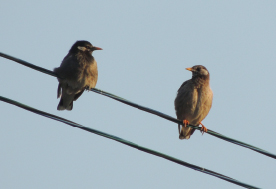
x=78, y=71
x=193, y=101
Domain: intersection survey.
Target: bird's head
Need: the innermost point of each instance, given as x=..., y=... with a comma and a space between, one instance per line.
x=199, y=71
x=83, y=46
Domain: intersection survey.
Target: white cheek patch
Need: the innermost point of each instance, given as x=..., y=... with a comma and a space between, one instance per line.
x=81, y=48
x=204, y=72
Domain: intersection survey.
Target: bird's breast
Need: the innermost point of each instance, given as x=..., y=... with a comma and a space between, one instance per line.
x=88, y=74
x=195, y=104
x=203, y=104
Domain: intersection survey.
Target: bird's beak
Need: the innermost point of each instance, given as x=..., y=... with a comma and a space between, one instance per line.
x=96, y=48
x=190, y=69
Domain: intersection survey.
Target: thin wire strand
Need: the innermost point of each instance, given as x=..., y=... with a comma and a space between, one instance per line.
x=128, y=143
x=143, y=108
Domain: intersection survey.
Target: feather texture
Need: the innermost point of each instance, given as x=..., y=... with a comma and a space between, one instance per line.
x=193, y=101
x=77, y=71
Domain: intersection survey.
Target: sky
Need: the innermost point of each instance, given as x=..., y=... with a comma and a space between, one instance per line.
x=146, y=47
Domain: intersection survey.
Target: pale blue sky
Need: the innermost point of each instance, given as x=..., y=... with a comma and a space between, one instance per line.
x=147, y=46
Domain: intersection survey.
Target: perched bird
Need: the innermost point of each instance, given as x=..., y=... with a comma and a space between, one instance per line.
x=77, y=71
x=193, y=101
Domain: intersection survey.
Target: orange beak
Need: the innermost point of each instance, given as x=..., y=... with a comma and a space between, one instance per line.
x=96, y=48
x=190, y=69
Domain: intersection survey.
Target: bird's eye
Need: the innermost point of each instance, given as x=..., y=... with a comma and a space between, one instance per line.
x=198, y=69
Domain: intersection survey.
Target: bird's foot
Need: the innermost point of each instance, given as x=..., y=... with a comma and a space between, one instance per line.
x=185, y=122
x=87, y=88
x=203, y=128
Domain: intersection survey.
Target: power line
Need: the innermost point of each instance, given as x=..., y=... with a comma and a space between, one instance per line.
x=128, y=143
x=143, y=108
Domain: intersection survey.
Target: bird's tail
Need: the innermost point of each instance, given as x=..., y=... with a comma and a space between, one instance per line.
x=66, y=101
x=63, y=106
x=185, y=132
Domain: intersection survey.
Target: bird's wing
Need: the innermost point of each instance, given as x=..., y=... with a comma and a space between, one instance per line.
x=184, y=83
x=78, y=95
x=68, y=68
x=59, y=91
x=184, y=100
x=184, y=105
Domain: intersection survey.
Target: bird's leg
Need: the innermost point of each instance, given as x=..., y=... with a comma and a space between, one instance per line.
x=203, y=128
x=185, y=122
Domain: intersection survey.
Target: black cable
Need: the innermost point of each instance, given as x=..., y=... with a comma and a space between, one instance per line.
x=128, y=143
x=160, y=114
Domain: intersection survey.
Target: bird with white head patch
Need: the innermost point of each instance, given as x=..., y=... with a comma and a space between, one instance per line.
x=193, y=101
x=78, y=71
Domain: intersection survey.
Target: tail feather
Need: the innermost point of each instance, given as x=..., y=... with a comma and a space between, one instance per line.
x=78, y=95
x=61, y=106
x=186, y=132
x=67, y=98
x=59, y=91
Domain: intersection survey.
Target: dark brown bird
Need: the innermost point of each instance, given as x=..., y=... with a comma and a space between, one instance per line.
x=78, y=71
x=193, y=101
